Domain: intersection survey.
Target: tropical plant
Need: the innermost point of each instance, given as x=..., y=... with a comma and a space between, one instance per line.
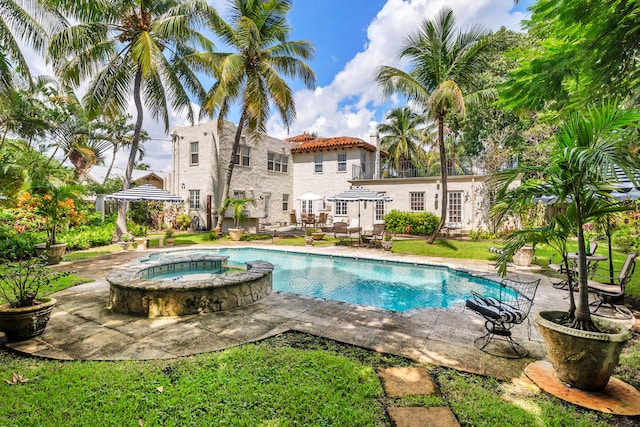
x=22, y=23
x=258, y=33
x=132, y=49
x=590, y=148
x=237, y=209
x=55, y=201
x=403, y=136
x=443, y=66
x=22, y=281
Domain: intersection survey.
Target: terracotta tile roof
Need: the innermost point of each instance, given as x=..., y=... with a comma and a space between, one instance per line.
x=306, y=143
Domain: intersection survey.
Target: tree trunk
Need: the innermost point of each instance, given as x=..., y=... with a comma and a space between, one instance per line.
x=227, y=184
x=443, y=179
x=113, y=159
x=121, y=222
x=582, y=319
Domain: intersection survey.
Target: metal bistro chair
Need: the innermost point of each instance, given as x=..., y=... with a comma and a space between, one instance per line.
x=501, y=314
x=610, y=290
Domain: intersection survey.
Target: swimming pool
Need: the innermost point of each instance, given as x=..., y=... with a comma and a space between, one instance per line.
x=390, y=285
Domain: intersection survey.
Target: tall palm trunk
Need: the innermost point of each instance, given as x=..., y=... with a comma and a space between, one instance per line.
x=443, y=179
x=582, y=319
x=227, y=183
x=121, y=221
x=113, y=159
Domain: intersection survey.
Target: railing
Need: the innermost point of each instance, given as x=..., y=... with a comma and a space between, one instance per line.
x=455, y=167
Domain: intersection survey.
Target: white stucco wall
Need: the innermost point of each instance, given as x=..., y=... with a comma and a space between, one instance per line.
x=327, y=183
x=209, y=174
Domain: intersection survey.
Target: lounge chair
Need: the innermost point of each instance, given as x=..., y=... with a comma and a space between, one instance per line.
x=610, y=290
x=501, y=314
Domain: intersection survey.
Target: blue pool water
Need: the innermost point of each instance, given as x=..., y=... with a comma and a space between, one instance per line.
x=390, y=285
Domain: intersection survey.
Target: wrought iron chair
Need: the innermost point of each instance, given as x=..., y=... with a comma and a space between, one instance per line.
x=501, y=314
x=610, y=290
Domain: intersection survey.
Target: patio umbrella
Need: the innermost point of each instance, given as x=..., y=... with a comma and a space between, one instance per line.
x=309, y=196
x=359, y=194
x=146, y=192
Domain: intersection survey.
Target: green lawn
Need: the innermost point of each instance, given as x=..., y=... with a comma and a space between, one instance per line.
x=292, y=379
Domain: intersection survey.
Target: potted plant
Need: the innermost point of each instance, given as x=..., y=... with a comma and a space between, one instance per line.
x=126, y=241
x=169, y=238
x=25, y=313
x=317, y=234
x=387, y=242
x=55, y=201
x=588, y=148
x=308, y=237
x=237, y=213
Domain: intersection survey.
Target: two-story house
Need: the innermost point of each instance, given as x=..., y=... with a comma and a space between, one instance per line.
x=262, y=171
x=281, y=175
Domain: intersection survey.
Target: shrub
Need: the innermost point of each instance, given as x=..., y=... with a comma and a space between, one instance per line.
x=418, y=223
x=136, y=229
x=85, y=237
x=183, y=221
x=15, y=246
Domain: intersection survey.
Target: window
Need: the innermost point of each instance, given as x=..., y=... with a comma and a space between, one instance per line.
x=416, y=201
x=318, y=162
x=277, y=162
x=307, y=206
x=194, y=199
x=341, y=207
x=454, y=207
x=342, y=162
x=193, y=151
x=267, y=204
x=243, y=156
x=363, y=162
x=239, y=194
x=285, y=202
x=379, y=210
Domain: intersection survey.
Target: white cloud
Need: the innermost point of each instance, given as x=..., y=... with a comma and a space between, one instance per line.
x=349, y=104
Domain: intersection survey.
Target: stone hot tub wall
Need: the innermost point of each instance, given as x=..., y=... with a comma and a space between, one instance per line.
x=132, y=294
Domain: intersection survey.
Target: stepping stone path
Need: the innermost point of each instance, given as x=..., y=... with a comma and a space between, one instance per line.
x=400, y=382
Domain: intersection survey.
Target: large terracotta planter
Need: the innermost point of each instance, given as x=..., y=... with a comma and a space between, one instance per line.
x=25, y=322
x=582, y=359
x=235, y=234
x=53, y=253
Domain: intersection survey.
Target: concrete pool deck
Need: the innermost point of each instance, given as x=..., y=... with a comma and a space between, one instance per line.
x=82, y=328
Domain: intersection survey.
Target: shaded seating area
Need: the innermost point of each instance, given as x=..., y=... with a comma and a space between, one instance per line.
x=571, y=274
x=501, y=314
x=374, y=237
x=343, y=233
x=609, y=290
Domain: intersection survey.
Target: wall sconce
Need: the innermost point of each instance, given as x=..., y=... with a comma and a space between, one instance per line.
x=183, y=186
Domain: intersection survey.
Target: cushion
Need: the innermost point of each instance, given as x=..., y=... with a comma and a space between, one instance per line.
x=491, y=308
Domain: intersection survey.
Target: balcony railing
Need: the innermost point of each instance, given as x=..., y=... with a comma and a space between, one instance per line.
x=455, y=167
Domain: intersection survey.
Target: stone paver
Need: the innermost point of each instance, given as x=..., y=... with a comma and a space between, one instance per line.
x=400, y=382
x=423, y=417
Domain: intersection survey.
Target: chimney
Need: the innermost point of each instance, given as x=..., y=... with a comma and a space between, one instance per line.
x=373, y=138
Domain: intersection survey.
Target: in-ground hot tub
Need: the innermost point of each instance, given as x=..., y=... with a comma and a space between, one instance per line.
x=187, y=285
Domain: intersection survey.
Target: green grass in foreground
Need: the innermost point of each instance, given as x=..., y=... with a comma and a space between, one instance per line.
x=291, y=379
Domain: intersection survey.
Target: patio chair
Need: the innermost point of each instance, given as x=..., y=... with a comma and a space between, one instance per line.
x=572, y=274
x=341, y=231
x=501, y=314
x=293, y=220
x=610, y=290
x=376, y=236
x=310, y=221
x=322, y=219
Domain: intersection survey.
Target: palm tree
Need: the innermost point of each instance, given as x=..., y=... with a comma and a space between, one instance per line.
x=588, y=149
x=443, y=65
x=22, y=22
x=257, y=32
x=403, y=137
x=132, y=49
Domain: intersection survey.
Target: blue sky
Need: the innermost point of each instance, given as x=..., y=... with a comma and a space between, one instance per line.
x=352, y=38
